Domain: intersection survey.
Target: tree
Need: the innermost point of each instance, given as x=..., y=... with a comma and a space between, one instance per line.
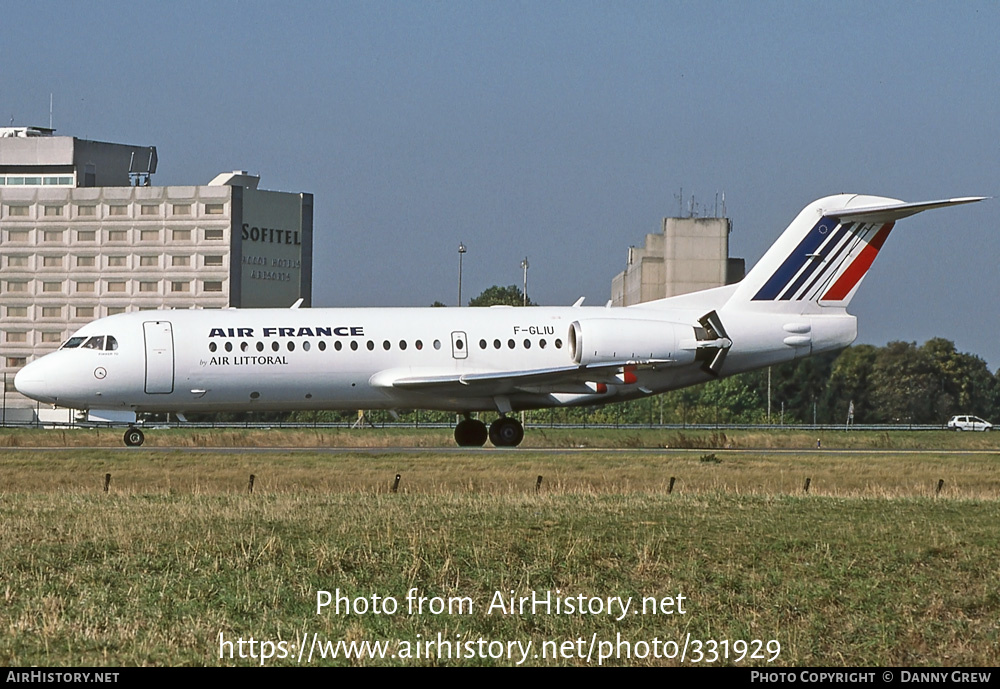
x=501, y=296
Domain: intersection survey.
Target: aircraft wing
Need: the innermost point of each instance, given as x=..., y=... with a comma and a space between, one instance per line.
x=573, y=378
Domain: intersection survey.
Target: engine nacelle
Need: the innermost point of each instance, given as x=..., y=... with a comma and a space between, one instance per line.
x=601, y=340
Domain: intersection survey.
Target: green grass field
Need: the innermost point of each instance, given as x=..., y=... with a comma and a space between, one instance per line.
x=871, y=567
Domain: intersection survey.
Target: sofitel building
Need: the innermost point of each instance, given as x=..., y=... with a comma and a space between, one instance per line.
x=84, y=235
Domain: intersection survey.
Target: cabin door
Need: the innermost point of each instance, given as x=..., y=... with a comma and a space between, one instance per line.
x=159, y=357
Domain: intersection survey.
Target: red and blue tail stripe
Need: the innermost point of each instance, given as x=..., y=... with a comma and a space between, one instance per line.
x=831, y=253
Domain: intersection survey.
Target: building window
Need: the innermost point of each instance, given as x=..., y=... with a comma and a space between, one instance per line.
x=52, y=235
x=149, y=261
x=118, y=210
x=182, y=235
x=180, y=286
x=85, y=262
x=84, y=311
x=115, y=310
x=52, y=337
x=213, y=260
x=182, y=209
x=51, y=287
x=52, y=261
x=16, y=361
x=17, y=235
x=17, y=337
x=17, y=261
x=53, y=211
x=214, y=234
x=115, y=286
x=86, y=211
x=214, y=208
x=86, y=235
x=148, y=210
x=117, y=235
x=17, y=286
x=17, y=211
x=85, y=287
x=149, y=286
x=149, y=235
x=117, y=261
x=17, y=312
x=180, y=261
x=51, y=312
x=212, y=285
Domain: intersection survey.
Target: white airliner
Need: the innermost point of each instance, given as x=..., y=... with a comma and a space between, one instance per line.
x=792, y=304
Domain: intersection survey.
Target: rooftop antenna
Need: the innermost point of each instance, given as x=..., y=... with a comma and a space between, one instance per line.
x=50, y=110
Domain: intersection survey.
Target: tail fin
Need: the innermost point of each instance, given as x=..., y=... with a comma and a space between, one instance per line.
x=825, y=253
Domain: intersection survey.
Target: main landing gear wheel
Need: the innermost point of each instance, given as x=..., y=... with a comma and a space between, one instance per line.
x=471, y=433
x=134, y=437
x=506, y=432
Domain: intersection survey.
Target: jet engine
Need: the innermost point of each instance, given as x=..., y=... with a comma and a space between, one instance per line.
x=606, y=340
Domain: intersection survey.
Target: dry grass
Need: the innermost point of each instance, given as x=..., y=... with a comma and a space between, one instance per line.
x=837, y=474
x=867, y=569
x=535, y=437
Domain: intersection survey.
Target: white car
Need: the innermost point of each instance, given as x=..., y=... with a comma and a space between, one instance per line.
x=969, y=423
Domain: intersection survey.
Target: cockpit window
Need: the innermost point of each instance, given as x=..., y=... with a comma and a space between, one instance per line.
x=111, y=344
x=96, y=342
x=73, y=342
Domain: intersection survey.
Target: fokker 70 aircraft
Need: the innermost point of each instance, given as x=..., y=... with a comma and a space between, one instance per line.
x=501, y=359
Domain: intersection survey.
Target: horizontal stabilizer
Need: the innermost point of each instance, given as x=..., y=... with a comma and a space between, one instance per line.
x=896, y=211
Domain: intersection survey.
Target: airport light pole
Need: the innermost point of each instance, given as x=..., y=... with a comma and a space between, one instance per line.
x=524, y=266
x=461, y=253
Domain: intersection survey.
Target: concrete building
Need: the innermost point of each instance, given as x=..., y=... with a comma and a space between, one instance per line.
x=83, y=235
x=690, y=254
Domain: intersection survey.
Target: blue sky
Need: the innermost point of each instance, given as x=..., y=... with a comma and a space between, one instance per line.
x=561, y=131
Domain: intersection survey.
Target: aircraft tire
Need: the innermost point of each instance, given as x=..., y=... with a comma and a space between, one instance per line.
x=506, y=432
x=471, y=433
x=134, y=437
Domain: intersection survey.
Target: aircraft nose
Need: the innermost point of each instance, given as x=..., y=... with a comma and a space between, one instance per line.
x=32, y=382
